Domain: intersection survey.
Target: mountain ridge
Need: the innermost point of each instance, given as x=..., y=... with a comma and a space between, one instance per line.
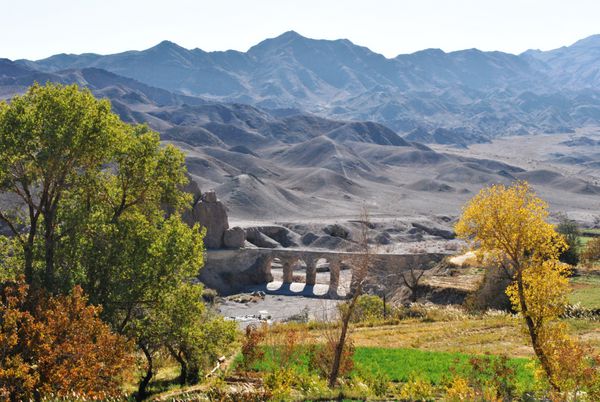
x=274, y=162
x=475, y=94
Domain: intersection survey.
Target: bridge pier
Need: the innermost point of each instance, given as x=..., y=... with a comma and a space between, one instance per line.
x=311, y=271
x=264, y=267
x=334, y=278
x=288, y=271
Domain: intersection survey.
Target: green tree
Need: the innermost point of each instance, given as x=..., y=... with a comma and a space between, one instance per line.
x=98, y=204
x=570, y=231
x=181, y=324
x=49, y=138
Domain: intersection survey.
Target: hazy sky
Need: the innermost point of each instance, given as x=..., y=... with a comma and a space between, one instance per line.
x=36, y=29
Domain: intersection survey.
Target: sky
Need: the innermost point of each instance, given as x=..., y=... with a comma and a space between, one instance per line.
x=37, y=29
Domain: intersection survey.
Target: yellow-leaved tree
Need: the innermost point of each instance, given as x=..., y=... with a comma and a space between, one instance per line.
x=508, y=228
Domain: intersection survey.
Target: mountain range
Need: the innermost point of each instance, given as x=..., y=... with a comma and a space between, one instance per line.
x=308, y=128
x=470, y=95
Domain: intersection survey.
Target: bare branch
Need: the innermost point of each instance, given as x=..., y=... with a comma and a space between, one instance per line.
x=12, y=227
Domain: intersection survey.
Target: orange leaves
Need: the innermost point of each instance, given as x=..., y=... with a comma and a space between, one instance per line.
x=17, y=375
x=60, y=347
x=591, y=252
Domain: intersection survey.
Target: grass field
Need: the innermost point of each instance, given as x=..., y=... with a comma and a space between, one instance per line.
x=470, y=335
x=401, y=364
x=586, y=291
x=430, y=347
x=587, y=235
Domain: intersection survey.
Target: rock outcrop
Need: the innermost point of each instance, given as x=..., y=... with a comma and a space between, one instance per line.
x=234, y=237
x=211, y=214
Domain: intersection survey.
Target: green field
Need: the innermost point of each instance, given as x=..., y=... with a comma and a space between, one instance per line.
x=586, y=291
x=400, y=364
x=587, y=235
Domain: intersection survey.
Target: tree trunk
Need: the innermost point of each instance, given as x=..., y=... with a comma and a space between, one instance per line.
x=413, y=294
x=49, y=246
x=537, y=348
x=142, y=393
x=339, y=347
x=28, y=247
x=182, y=363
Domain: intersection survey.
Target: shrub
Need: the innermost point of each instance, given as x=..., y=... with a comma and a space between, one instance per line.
x=223, y=395
x=417, y=389
x=576, y=367
x=311, y=385
x=209, y=295
x=591, y=252
x=379, y=383
x=459, y=390
x=57, y=346
x=570, y=231
x=367, y=308
x=284, y=346
x=280, y=382
x=252, y=352
x=493, y=375
x=320, y=358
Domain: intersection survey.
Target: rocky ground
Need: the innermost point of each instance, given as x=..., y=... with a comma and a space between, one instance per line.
x=276, y=302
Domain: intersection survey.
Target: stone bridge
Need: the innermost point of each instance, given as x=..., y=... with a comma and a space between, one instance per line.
x=231, y=271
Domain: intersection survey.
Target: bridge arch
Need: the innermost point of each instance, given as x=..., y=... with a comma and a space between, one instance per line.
x=290, y=260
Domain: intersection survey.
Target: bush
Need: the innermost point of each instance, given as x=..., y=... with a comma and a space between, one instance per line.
x=280, y=383
x=223, y=395
x=57, y=346
x=417, y=389
x=284, y=346
x=320, y=358
x=591, y=252
x=252, y=352
x=367, y=308
x=493, y=375
x=569, y=229
x=209, y=295
x=379, y=383
x=459, y=390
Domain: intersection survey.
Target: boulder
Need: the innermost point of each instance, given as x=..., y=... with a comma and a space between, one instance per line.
x=259, y=239
x=383, y=238
x=337, y=230
x=308, y=238
x=435, y=230
x=281, y=234
x=192, y=188
x=234, y=237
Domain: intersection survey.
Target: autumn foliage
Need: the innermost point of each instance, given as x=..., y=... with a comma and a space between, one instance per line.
x=508, y=228
x=57, y=345
x=591, y=252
